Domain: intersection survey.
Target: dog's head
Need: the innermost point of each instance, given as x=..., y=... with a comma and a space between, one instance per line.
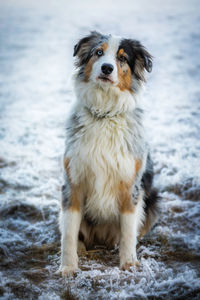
x=112, y=61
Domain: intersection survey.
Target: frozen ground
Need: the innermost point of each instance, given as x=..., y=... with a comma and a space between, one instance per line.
x=36, y=44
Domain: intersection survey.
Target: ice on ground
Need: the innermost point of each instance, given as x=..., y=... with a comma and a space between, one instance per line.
x=36, y=46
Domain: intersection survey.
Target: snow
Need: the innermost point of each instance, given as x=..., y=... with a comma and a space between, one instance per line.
x=36, y=47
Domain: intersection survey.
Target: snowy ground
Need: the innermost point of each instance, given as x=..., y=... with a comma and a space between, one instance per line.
x=36, y=45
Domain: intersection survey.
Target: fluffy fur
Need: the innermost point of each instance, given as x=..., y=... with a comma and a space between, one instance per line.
x=107, y=196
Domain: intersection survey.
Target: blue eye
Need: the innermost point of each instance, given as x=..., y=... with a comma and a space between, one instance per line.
x=99, y=52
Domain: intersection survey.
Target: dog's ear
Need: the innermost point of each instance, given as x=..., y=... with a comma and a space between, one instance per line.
x=83, y=41
x=141, y=59
x=83, y=48
x=145, y=56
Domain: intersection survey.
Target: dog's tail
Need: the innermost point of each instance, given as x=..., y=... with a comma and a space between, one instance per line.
x=151, y=210
x=151, y=199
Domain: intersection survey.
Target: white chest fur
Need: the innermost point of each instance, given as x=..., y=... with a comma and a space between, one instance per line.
x=101, y=158
x=102, y=150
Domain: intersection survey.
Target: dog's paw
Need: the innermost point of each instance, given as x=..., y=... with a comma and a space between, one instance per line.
x=67, y=271
x=128, y=265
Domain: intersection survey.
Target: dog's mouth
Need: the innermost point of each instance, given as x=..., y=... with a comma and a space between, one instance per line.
x=105, y=79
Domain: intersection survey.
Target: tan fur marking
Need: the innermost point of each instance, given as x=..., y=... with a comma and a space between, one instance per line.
x=74, y=199
x=126, y=205
x=88, y=68
x=104, y=46
x=138, y=165
x=124, y=75
x=121, y=52
x=66, y=166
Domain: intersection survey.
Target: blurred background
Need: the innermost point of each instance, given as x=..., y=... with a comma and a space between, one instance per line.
x=36, y=65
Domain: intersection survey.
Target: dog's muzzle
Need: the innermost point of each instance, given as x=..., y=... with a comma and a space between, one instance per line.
x=107, y=69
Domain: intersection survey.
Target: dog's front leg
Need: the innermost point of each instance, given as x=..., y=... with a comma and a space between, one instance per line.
x=130, y=218
x=70, y=219
x=128, y=241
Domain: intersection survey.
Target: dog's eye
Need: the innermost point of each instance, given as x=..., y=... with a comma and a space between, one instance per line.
x=99, y=52
x=122, y=58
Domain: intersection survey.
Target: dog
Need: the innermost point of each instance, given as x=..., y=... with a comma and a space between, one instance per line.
x=107, y=195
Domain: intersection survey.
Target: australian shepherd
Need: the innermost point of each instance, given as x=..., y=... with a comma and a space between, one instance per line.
x=107, y=195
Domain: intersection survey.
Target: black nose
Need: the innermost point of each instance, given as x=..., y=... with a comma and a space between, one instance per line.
x=107, y=69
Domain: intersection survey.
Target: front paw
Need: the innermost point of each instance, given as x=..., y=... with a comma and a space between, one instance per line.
x=67, y=271
x=127, y=262
x=128, y=265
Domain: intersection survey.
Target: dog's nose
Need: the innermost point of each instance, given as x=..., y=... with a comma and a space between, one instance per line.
x=107, y=69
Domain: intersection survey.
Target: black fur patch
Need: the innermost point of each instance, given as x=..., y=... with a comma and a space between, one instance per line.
x=136, y=51
x=151, y=197
x=151, y=200
x=147, y=178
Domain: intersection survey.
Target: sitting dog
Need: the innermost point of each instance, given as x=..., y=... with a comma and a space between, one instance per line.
x=107, y=196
